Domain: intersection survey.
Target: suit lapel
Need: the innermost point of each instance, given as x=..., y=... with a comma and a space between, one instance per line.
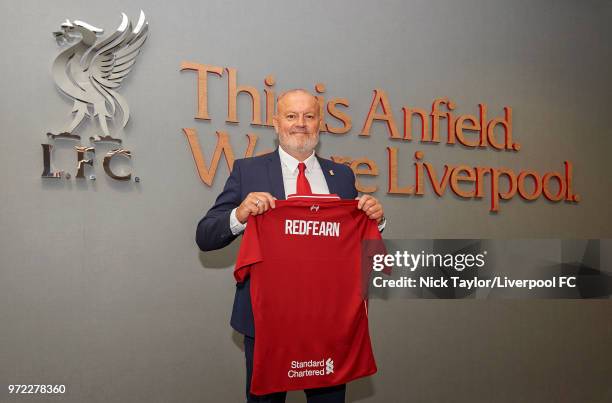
x=332, y=183
x=275, y=175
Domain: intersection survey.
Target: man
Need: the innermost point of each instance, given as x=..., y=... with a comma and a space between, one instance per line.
x=252, y=188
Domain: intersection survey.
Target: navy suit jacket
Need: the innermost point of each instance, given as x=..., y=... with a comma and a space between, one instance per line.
x=257, y=174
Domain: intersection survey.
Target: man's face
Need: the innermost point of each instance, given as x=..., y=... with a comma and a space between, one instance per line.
x=297, y=124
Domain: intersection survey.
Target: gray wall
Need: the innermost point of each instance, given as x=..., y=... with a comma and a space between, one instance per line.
x=103, y=289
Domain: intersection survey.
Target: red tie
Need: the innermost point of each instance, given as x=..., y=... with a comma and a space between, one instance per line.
x=303, y=187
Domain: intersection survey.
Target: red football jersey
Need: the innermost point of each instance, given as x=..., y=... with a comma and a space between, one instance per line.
x=307, y=291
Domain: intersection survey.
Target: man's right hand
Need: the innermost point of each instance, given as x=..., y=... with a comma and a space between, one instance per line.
x=255, y=203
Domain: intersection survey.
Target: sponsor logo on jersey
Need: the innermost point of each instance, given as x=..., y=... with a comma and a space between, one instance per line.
x=329, y=366
x=301, y=369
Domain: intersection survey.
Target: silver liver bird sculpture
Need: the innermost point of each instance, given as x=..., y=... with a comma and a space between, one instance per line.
x=90, y=71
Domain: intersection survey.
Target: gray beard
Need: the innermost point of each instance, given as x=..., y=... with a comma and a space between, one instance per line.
x=306, y=147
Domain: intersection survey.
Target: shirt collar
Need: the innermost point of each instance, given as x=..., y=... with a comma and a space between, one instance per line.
x=292, y=163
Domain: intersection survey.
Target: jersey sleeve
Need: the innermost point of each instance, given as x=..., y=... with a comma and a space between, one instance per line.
x=249, y=252
x=371, y=245
x=371, y=231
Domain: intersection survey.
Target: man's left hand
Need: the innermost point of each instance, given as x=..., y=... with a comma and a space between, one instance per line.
x=371, y=206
